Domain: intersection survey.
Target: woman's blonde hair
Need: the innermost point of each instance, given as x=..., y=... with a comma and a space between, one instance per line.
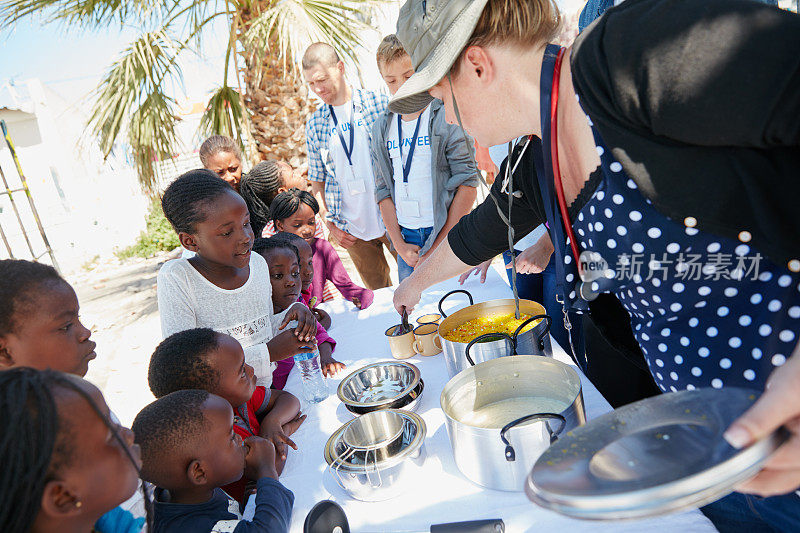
x=523, y=23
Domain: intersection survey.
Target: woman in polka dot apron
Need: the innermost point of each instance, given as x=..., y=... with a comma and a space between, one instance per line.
x=673, y=160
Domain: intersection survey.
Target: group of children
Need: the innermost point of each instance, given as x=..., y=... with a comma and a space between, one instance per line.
x=221, y=418
x=67, y=463
x=221, y=426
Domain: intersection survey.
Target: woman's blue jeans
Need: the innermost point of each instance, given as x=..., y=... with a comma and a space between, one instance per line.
x=753, y=514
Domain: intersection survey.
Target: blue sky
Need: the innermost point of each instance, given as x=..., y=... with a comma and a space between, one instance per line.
x=72, y=62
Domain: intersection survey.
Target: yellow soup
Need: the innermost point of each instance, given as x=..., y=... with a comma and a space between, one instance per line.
x=489, y=324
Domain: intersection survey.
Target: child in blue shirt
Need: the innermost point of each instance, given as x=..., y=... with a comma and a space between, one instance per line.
x=189, y=450
x=204, y=359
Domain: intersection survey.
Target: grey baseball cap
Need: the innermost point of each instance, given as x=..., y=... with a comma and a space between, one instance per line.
x=433, y=32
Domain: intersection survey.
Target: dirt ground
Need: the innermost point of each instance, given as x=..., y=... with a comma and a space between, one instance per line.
x=119, y=304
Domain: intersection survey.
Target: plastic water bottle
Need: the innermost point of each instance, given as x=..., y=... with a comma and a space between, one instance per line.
x=314, y=387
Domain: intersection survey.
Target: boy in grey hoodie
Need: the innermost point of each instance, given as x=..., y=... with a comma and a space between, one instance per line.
x=425, y=175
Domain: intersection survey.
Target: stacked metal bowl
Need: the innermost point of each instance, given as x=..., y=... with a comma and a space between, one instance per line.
x=384, y=385
x=376, y=456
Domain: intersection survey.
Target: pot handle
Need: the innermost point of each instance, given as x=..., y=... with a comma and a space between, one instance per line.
x=441, y=311
x=487, y=336
x=510, y=454
x=542, y=335
x=375, y=470
x=337, y=463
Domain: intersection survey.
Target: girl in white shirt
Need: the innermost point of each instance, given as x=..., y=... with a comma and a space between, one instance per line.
x=223, y=286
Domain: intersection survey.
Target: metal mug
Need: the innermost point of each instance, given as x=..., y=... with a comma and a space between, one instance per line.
x=401, y=346
x=430, y=318
x=427, y=340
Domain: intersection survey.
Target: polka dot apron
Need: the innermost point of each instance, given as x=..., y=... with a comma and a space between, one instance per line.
x=706, y=310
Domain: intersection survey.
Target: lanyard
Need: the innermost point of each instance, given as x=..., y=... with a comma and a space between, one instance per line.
x=558, y=219
x=544, y=171
x=347, y=151
x=551, y=184
x=549, y=177
x=407, y=165
x=562, y=202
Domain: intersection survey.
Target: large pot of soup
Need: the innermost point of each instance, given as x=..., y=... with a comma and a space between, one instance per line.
x=501, y=415
x=488, y=330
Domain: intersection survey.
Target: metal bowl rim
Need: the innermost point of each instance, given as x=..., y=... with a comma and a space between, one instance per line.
x=404, y=407
x=359, y=419
x=417, y=442
x=454, y=320
x=539, y=358
x=414, y=382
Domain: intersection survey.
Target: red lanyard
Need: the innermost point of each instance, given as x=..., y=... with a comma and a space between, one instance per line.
x=562, y=202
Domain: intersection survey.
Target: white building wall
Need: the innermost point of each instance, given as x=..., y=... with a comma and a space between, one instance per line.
x=88, y=207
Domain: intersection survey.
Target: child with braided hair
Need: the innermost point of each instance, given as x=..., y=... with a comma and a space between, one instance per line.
x=65, y=463
x=295, y=211
x=261, y=185
x=290, y=273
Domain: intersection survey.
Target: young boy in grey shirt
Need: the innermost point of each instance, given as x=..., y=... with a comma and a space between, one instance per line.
x=425, y=175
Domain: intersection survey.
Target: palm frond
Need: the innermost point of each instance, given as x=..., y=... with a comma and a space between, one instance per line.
x=84, y=13
x=140, y=71
x=226, y=115
x=132, y=95
x=152, y=136
x=292, y=25
x=194, y=15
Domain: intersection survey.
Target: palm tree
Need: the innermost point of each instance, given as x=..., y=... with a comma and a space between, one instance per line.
x=268, y=36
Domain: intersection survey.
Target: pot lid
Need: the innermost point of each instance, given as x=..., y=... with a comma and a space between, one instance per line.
x=651, y=457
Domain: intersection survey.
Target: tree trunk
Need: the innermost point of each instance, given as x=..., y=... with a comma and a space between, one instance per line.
x=277, y=98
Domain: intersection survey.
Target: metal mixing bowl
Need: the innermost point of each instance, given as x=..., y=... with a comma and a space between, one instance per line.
x=409, y=402
x=375, y=436
x=379, y=386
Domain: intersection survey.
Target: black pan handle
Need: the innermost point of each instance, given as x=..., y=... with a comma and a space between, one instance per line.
x=441, y=311
x=486, y=337
x=493, y=525
x=542, y=335
x=510, y=454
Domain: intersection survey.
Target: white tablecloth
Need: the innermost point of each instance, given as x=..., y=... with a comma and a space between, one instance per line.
x=442, y=494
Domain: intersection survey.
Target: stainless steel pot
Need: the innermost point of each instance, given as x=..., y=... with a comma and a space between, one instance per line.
x=535, y=341
x=366, y=479
x=502, y=414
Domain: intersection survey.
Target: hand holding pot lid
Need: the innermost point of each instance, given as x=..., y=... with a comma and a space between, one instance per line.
x=651, y=457
x=778, y=406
